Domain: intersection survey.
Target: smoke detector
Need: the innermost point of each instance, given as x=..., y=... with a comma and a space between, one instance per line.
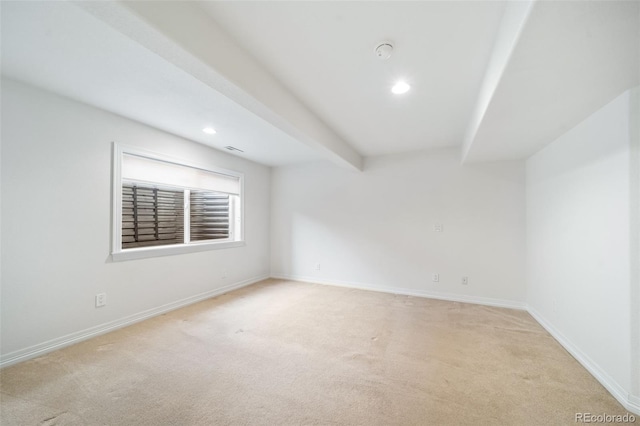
x=383, y=50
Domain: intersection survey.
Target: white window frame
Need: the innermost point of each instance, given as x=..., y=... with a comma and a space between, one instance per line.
x=120, y=254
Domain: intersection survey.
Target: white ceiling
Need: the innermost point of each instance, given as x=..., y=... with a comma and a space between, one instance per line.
x=324, y=52
x=298, y=81
x=61, y=48
x=571, y=59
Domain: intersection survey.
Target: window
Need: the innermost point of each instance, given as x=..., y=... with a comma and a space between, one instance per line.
x=151, y=216
x=163, y=206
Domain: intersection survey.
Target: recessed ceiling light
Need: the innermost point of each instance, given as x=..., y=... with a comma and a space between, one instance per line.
x=400, y=88
x=209, y=130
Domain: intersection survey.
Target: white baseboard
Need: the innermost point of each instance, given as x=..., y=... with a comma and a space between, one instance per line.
x=634, y=401
x=409, y=292
x=630, y=402
x=61, y=342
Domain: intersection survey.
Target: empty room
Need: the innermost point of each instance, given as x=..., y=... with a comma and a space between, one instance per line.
x=320, y=212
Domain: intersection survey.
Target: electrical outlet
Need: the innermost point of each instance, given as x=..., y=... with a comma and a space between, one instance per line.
x=436, y=278
x=438, y=227
x=465, y=280
x=224, y=275
x=101, y=299
x=317, y=266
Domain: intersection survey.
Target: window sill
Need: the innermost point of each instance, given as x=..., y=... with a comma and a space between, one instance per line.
x=147, y=252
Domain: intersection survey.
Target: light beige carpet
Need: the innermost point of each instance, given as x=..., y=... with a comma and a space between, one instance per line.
x=286, y=353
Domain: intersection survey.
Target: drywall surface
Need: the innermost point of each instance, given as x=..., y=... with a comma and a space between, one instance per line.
x=578, y=242
x=634, y=253
x=56, y=223
x=375, y=229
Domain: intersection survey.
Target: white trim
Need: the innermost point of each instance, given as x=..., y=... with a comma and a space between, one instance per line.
x=157, y=251
x=501, y=303
x=634, y=404
x=118, y=254
x=628, y=401
x=116, y=198
x=70, y=339
x=186, y=211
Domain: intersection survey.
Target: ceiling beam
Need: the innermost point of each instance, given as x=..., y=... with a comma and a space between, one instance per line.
x=184, y=35
x=513, y=21
x=571, y=59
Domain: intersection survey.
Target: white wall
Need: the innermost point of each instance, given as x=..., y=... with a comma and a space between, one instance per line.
x=375, y=229
x=56, y=224
x=578, y=242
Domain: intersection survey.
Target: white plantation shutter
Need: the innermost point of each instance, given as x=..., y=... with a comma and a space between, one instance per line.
x=163, y=207
x=151, y=216
x=209, y=215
